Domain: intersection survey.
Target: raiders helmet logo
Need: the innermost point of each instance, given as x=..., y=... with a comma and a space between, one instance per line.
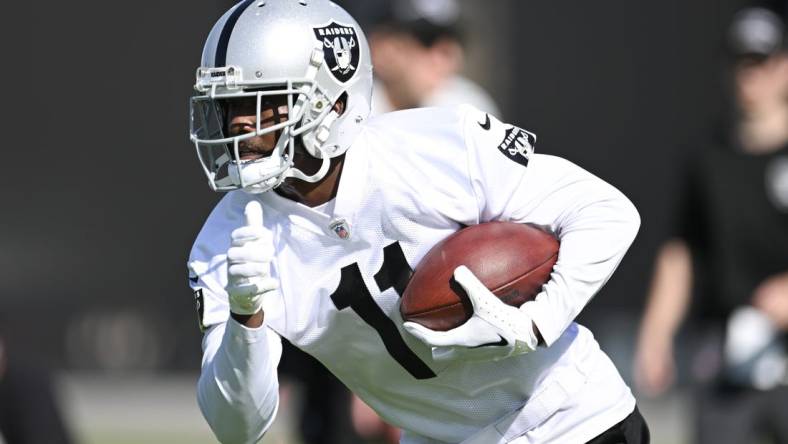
x=341, y=49
x=518, y=145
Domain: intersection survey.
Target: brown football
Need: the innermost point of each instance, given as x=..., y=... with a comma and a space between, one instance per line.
x=512, y=260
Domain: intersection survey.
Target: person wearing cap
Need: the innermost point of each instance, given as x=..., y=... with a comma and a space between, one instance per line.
x=729, y=249
x=418, y=52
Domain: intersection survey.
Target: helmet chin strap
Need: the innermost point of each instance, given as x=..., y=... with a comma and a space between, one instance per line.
x=260, y=175
x=321, y=173
x=253, y=173
x=319, y=137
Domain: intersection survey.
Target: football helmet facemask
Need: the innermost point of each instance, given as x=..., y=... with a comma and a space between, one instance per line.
x=310, y=51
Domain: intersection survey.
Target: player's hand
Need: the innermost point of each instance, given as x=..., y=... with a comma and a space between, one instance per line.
x=494, y=331
x=248, y=264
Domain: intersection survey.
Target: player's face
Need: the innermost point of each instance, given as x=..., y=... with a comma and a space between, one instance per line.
x=241, y=119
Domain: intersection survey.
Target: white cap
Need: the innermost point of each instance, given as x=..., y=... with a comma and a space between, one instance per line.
x=756, y=31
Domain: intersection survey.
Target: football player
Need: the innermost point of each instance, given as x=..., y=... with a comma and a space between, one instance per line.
x=328, y=212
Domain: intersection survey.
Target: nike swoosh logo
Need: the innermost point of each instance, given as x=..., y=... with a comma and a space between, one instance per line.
x=194, y=279
x=486, y=124
x=502, y=343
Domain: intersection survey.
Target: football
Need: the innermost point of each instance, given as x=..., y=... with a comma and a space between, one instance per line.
x=512, y=260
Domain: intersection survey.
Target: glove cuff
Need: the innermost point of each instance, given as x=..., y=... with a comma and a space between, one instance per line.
x=526, y=339
x=246, y=306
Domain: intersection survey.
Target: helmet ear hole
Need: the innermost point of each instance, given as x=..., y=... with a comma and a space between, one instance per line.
x=341, y=104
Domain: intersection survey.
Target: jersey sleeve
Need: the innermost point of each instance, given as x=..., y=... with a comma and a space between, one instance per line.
x=207, y=263
x=238, y=387
x=210, y=301
x=594, y=222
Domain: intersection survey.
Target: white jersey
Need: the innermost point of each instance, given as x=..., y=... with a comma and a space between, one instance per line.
x=411, y=179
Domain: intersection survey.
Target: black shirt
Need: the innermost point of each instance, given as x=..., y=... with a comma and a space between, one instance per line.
x=734, y=215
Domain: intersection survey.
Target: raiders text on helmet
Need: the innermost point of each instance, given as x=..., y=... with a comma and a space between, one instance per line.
x=310, y=51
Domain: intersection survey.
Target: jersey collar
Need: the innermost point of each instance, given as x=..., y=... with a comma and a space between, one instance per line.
x=352, y=184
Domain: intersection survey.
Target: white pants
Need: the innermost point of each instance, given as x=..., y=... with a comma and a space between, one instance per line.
x=572, y=409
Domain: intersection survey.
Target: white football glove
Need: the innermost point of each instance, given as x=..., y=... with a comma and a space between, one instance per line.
x=248, y=264
x=494, y=331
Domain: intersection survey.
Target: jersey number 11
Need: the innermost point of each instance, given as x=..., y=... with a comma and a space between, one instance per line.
x=353, y=293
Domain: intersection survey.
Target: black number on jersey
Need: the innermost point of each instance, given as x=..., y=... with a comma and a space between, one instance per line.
x=353, y=293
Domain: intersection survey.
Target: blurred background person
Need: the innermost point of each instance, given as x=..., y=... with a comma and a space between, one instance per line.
x=418, y=51
x=730, y=251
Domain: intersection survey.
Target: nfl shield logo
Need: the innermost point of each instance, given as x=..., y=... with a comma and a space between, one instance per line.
x=340, y=228
x=341, y=49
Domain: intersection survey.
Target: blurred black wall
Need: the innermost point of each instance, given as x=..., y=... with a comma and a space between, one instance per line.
x=103, y=194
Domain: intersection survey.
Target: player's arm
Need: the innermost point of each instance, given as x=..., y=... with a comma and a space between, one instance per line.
x=238, y=387
x=249, y=320
x=594, y=222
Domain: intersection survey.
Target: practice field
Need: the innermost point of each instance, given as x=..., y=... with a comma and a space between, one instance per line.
x=163, y=410
x=140, y=409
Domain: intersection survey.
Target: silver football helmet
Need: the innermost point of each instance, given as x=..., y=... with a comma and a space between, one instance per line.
x=310, y=51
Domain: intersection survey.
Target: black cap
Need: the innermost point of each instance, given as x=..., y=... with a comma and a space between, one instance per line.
x=440, y=13
x=756, y=32
x=426, y=20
